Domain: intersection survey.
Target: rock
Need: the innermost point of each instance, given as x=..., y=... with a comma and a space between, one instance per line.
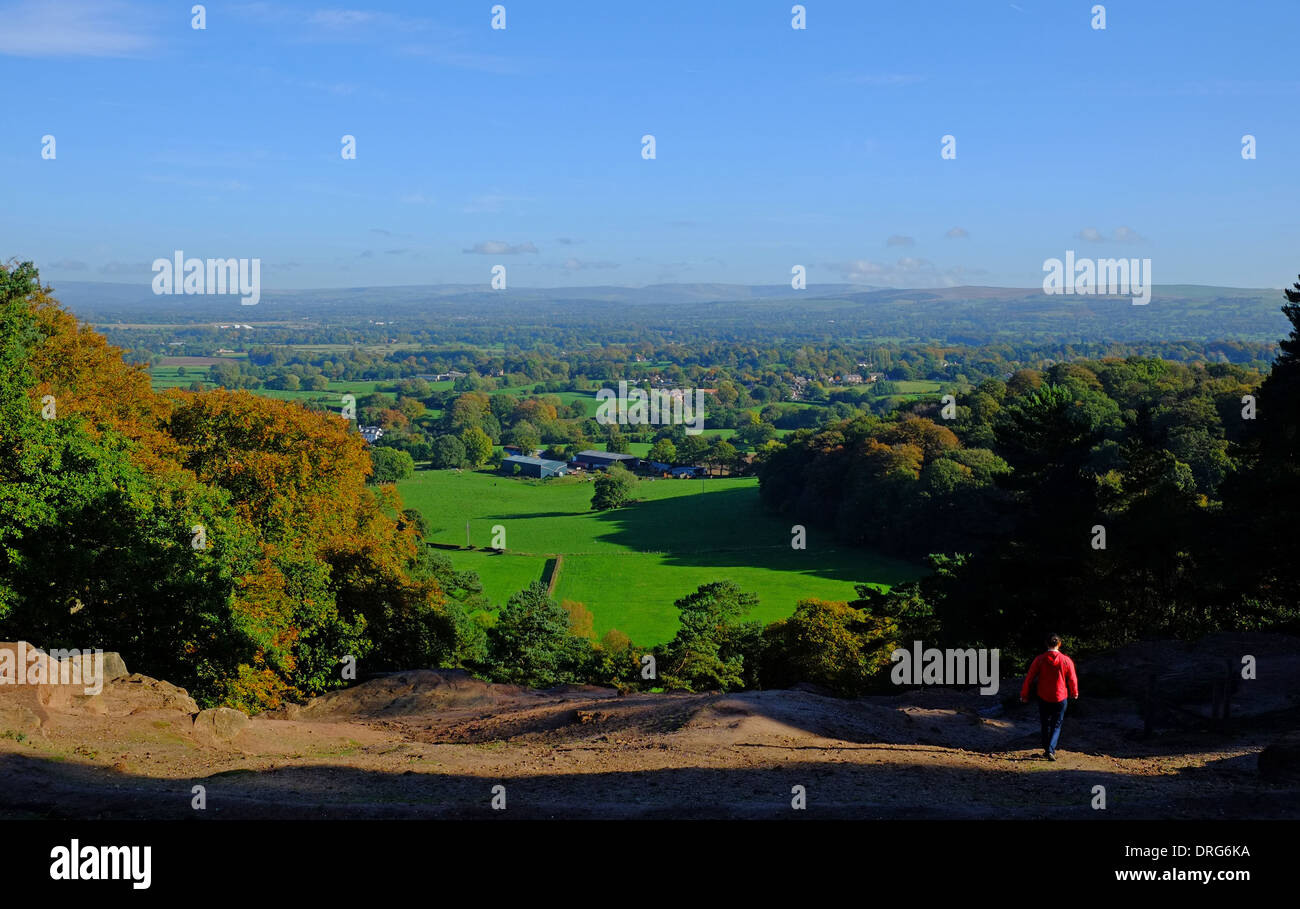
x=26, y=663
x=113, y=666
x=219, y=724
x=408, y=693
x=1281, y=760
x=140, y=694
x=18, y=720
x=82, y=670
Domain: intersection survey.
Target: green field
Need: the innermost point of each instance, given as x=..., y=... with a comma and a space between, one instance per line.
x=629, y=565
x=917, y=386
x=162, y=377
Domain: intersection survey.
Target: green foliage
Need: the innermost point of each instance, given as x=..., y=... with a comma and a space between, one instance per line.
x=391, y=465
x=531, y=643
x=617, y=443
x=225, y=542
x=448, y=452
x=713, y=648
x=614, y=488
x=478, y=446
x=663, y=451
x=830, y=644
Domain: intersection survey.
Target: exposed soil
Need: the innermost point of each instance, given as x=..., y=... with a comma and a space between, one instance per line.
x=434, y=744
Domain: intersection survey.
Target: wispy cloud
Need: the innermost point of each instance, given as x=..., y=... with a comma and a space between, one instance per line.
x=582, y=264
x=899, y=240
x=489, y=203
x=1121, y=235
x=72, y=28
x=497, y=248
x=411, y=36
x=126, y=268
x=906, y=272
x=885, y=80
x=957, y=233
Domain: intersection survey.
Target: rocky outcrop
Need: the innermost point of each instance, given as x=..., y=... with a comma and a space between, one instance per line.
x=219, y=725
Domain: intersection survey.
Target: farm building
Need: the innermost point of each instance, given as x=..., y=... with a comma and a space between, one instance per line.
x=533, y=467
x=600, y=460
x=371, y=434
x=519, y=452
x=686, y=473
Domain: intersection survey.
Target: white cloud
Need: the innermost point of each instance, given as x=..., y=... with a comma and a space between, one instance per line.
x=957, y=233
x=1092, y=235
x=71, y=28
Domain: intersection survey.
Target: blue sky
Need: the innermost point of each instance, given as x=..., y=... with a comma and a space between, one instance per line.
x=774, y=146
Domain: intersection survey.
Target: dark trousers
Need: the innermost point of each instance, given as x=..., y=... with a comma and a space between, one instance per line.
x=1051, y=714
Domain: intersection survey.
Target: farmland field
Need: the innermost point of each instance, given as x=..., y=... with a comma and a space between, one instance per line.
x=168, y=377
x=629, y=565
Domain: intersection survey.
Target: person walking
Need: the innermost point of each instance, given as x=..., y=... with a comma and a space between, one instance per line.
x=1057, y=682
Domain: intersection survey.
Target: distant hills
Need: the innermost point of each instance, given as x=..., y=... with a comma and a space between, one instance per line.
x=971, y=315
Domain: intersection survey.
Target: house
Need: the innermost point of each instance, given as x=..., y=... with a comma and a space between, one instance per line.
x=533, y=467
x=371, y=434
x=602, y=460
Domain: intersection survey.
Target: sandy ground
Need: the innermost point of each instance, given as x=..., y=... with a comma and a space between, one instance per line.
x=435, y=744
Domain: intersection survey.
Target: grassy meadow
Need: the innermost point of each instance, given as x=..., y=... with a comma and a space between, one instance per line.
x=629, y=565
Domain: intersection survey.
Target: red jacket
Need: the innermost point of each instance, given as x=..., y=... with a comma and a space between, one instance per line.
x=1056, y=677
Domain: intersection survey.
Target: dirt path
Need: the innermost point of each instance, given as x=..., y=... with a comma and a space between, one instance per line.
x=425, y=744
